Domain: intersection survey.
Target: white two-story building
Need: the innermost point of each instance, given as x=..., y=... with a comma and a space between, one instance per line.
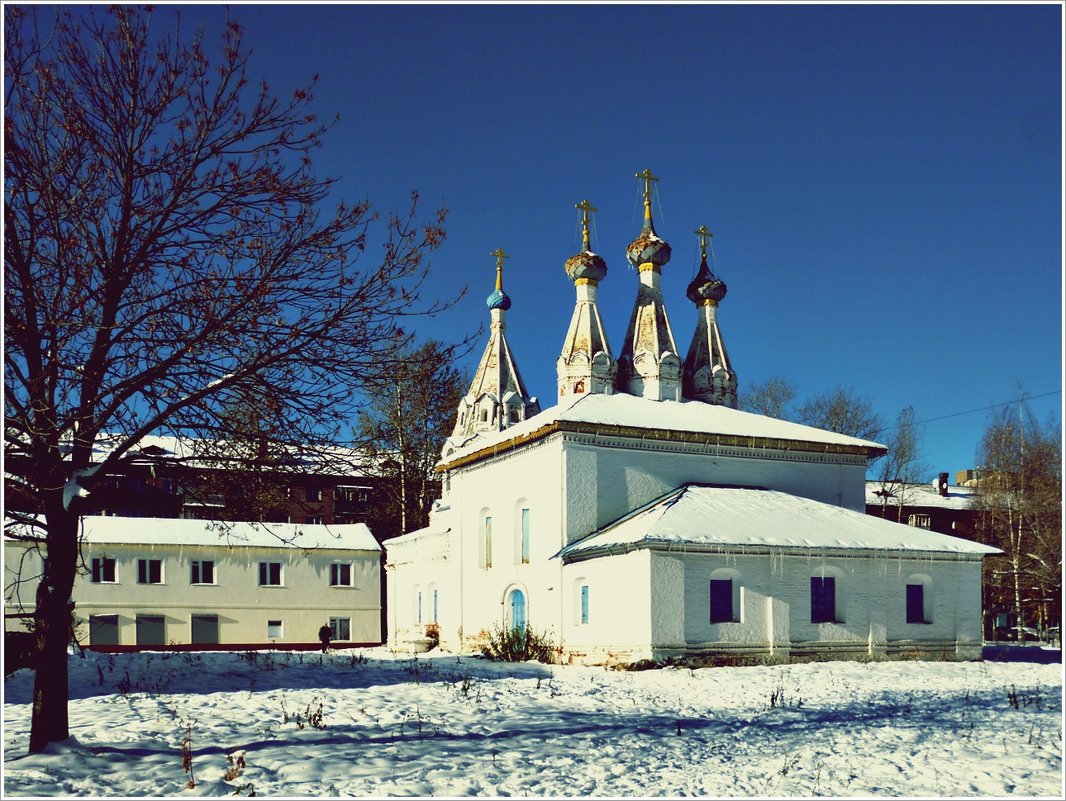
x=149, y=582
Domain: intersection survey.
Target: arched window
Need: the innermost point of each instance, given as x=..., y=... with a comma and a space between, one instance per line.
x=417, y=600
x=485, y=541
x=919, y=607
x=827, y=600
x=522, y=524
x=515, y=606
x=582, y=599
x=725, y=594
x=433, y=604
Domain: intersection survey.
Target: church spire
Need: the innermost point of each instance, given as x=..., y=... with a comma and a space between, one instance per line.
x=497, y=397
x=649, y=365
x=585, y=364
x=708, y=376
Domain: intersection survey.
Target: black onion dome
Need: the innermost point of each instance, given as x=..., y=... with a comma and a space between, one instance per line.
x=586, y=265
x=706, y=286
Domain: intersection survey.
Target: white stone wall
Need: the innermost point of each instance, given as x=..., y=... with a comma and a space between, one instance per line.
x=619, y=616
x=605, y=483
x=528, y=478
x=303, y=603
x=416, y=569
x=772, y=601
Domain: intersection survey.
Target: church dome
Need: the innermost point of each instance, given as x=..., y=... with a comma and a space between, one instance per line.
x=706, y=286
x=648, y=247
x=586, y=265
x=498, y=300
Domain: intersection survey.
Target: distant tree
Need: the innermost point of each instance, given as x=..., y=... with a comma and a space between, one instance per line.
x=843, y=411
x=1019, y=509
x=404, y=429
x=166, y=254
x=901, y=468
x=771, y=398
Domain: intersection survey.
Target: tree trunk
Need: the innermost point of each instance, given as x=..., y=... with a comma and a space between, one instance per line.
x=52, y=621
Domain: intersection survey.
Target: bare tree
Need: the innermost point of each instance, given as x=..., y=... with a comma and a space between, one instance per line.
x=843, y=411
x=772, y=398
x=167, y=255
x=1020, y=511
x=901, y=468
x=405, y=427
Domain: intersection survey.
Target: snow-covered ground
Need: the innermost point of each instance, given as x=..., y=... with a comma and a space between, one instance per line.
x=368, y=723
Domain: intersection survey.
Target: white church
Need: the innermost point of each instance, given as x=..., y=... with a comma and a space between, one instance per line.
x=645, y=517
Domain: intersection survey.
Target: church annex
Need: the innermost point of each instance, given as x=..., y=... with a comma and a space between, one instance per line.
x=644, y=517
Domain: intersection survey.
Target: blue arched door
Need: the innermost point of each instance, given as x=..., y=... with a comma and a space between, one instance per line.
x=518, y=609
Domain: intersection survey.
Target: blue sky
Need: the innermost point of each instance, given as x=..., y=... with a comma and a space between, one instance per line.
x=884, y=182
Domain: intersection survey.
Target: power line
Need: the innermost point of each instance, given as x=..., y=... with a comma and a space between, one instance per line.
x=974, y=411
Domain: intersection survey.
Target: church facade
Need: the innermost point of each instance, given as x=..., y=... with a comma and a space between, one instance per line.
x=644, y=516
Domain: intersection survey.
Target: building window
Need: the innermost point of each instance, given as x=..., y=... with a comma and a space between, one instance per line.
x=270, y=574
x=353, y=494
x=484, y=415
x=314, y=520
x=919, y=521
x=340, y=628
x=151, y=630
x=314, y=494
x=340, y=574
x=202, y=571
x=103, y=630
x=722, y=601
x=275, y=628
x=584, y=604
x=514, y=415
x=435, y=618
x=823, y=599
x=418, y=607
x=149, y=571
x=485, y=551
x=916, y=603
x=103, y=570
x=524, y=543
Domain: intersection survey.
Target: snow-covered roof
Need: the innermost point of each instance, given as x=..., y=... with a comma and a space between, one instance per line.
x=193, y=452
x=920, y=495
x=629, y=411
x=177, y=531
x=695, y=515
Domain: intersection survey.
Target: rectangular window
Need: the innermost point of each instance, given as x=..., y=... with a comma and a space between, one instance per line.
x=823, y=599
x=435, y=618
x=418, y=608
x=275, y=630
x=204, y=629
x=584, y=603
x=151, y=630
x=314, y=494
x=201, y=571
x=340, y=574
x=103, y=629
x=915, y=603
x=270, y=574
x=340, y=628
x=525, y=537
x=149, y=571
x=722, y=601
x=103, y=570
x=919, y=521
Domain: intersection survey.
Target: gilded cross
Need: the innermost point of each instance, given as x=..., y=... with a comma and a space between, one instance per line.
x=704, y=235
x=500, y=256
x=585, y=207
x=647, y=178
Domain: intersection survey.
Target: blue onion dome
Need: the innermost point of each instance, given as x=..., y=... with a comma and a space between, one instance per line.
x=648, y=248
x=498, y=300
x=706, y=286
x=587, y=265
